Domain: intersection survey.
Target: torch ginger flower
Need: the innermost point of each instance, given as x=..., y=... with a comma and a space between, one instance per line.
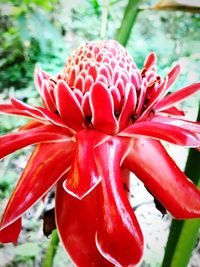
x=101, y=119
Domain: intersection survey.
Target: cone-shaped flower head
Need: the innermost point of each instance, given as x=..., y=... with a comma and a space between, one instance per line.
x=100, y=120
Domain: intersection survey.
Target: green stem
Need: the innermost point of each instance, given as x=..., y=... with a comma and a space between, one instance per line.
x=51, y=250
x=183, y=234
x=129, y=18
x=104, y=18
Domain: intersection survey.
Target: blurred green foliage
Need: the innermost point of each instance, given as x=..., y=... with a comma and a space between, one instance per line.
x=29, y=33
x=45, y=32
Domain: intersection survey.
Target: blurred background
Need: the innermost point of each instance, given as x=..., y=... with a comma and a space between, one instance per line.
x=44, y=33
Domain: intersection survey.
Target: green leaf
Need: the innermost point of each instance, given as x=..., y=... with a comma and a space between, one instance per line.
x=186, y=243
x=96, y=6
x=183, y=234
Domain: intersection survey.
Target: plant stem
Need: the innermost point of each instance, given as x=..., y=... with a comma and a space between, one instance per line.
x=129, y=18
x=183, y=234
x=51, y=250
x=104, y=18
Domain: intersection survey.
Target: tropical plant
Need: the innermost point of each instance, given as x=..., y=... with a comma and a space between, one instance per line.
x=101, y=118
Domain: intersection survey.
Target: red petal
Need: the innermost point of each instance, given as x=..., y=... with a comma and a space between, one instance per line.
x=120, y=85
x=119, y=238
x=177, y=96
x=166, y=132
x=47, y=98
x=88, y=83
x=189, y=125
x=93, y=71
x=174, y=111
x=10, y=109
x=79, y=83
x=84, y=176
x=79, y=95
x=116, y=97
x=154, y=98
x=40, y=113
x=105, y=72
x=68, y=106
x=152, y=164
x=86, y=104
x=141, y=98
x=130, y=100
x=39, y=77
x=45, y=133
x=30, y=125
x=103, y=109
x=46, y=165
x=72, y=75
x=150, y=61
x=172, y=76
x=77, y=223
x=10, y=233
x=136, y=78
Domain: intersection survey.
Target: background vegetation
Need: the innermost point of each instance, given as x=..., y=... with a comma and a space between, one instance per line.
x=43, y=33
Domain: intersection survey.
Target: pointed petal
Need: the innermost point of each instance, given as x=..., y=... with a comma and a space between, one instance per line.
x=119, y=238
x=72, y=76
x=166, y=132
x=103, y=109
x=155, y=168
x=42, y=81
x=177, y=96
x=10, y=109
x=68, y=106
x=154, y=98
x=45, y=133
x=40, y=113
x=174, y=111
x=136, y=78
x=189, y=125
x=79, y=83
x=39, y=77
x=46, y=165
x=141, y=98
x=129, y=106
x=47, y=98
x=31, y=111
x=120, y=85
x=10, y=233
x=77, y=223
x=172, y=76
x=88, y=83
x=116, y=97
x=79, y=95
x=30, y=125
x=86, y=105
x=150, y=62
x=84, y=176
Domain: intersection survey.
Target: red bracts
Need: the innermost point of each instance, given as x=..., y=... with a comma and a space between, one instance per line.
x=101, y=119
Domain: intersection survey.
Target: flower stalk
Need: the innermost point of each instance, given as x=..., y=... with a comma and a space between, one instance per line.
x=129, y=18
x=104, y=19
x=51, y=250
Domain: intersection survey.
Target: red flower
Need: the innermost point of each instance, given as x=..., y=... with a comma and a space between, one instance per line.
x=101, y=119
